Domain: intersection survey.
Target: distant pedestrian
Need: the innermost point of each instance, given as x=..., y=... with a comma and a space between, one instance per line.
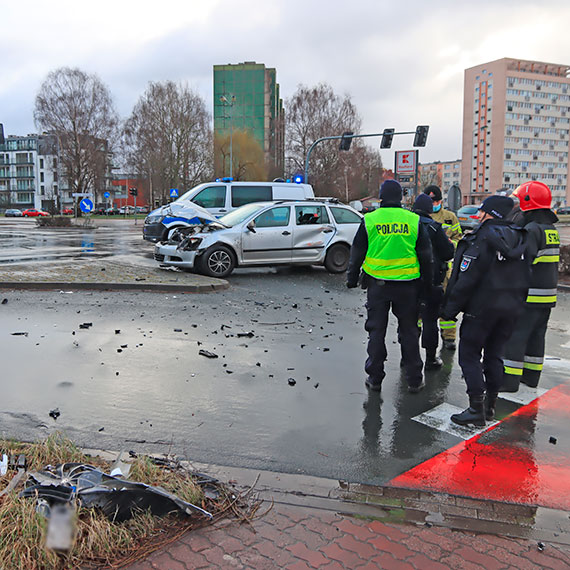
x=450, y=224
x=488, y=285
x=524, y=354
x=393, y=249
x=442, y=252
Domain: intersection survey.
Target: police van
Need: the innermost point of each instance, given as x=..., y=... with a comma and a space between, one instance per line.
x=212, y=200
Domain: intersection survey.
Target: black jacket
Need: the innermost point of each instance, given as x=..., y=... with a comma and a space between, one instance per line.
x=543, y=241
x=490, y=271
x=360, y=247
x=441, y=245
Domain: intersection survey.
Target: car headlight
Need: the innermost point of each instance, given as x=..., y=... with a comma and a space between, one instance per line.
x=153, y=219
x=190, y=243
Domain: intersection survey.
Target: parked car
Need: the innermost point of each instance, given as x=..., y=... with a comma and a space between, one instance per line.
x=563, y=211
x=13, y=213
x=33, y=213
x=112, y=211
x=468, y=217
x=67, y=211
x=217, y=199
x=298, y=232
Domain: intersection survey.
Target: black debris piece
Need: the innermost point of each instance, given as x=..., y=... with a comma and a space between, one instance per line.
x=117, y=331
x=541, y=546
x=4, y=301
x=317, y=385
x=258, y=363
x=552, y=440
x=247, y=335
x=101, y=429
x=326, y=349
x=177, y=330
x=140, y=278
x=291, y=381
x=85, y=325
x=20, y=334
x=207, y=353
x=119, y=350
x=294, y=305
x=132, y=454
x=55, y=413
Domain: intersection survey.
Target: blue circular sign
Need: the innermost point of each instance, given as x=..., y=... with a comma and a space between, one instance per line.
x=86, y=205
x=107, y=194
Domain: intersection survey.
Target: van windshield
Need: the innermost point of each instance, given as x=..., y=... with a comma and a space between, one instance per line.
x=241, y=214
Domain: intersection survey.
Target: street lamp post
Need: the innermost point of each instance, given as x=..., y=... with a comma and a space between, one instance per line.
x=230, y=103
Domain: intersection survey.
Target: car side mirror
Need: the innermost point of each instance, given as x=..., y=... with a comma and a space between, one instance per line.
x=251, y=226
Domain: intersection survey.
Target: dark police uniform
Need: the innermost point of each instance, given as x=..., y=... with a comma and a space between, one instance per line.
x=488, y=284
x=442, y=251
x=524, y=353
x=394, y=251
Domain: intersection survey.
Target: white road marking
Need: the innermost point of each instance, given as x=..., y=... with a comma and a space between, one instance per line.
x=439, y=418
x=524, y=396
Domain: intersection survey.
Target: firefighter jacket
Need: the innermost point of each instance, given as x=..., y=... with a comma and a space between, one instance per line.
x=386, y=250
x=450, y=224
x=543, y=250
x=490, y=272
x=442, y=248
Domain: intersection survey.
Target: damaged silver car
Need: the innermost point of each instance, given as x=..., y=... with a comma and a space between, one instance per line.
x=304, y=232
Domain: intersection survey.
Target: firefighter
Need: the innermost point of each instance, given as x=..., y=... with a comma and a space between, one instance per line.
x=450, y=224
x=524, y=353
x=488, y=285
x=394, y=251
x=442, y=251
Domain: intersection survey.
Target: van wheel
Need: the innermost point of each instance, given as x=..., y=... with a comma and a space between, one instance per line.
x=216, y=261
x=336, y=260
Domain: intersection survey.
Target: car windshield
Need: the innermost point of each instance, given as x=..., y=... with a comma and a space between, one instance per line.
x=468, y=210
x=241, y=214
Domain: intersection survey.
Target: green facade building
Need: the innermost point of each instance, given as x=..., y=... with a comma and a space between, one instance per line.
x=246, y=97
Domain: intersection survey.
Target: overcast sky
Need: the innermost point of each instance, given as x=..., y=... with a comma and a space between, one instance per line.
x=402, y=62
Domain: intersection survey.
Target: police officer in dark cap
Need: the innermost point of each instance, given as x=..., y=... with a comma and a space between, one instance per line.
x=394, y=251
x=488, y=285
x=442, y=251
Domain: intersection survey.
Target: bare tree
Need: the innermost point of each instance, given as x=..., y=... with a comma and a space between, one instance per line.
x=247, y=156
x=169, y=139
x=78, y=109
x=312, y=113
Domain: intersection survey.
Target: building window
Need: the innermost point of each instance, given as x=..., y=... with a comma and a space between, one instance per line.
x=41, y=162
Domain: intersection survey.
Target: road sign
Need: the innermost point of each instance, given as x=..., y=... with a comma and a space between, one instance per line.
x=81, y=195
x=107, y=194
x=406, y=161
x=454, y=198
x=86, y=205
x=174, y=192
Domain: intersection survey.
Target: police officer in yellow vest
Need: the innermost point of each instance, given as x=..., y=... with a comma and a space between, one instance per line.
x=394, y=251
x=450, y=224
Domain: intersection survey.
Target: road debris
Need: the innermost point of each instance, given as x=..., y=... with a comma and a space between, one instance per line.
x=207, y=353
x=55, y=413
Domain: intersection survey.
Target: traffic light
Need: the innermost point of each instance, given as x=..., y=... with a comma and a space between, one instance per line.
x=420, y=137
x=387, y=137
x=345, y=141
x=133, y=191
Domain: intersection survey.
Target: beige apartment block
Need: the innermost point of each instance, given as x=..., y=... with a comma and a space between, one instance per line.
x=516, y=122
x=443, y=174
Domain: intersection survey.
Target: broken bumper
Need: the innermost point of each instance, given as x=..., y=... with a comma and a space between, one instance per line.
x=172, y=257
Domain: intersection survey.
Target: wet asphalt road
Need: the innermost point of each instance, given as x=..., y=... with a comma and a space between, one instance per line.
x=148, y=389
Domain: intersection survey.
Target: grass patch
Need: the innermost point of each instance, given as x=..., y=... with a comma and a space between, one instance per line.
x=99, y=543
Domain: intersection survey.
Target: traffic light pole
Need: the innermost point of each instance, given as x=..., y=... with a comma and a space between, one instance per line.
x=345, y=136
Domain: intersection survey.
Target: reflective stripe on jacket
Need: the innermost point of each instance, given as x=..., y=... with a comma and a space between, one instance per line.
x=392, y=235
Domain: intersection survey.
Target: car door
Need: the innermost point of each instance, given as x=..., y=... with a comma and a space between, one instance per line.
x=312, y=232
x=214, y=199
x=271, y=240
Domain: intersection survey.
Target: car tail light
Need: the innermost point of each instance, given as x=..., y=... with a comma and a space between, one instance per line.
x=474, y=217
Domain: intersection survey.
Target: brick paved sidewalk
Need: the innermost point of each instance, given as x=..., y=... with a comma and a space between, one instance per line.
x=298, y=538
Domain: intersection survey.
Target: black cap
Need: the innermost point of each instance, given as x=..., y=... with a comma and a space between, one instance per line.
x=434, y=192
x=423, y=203
x=390, y=191
x=498, y=206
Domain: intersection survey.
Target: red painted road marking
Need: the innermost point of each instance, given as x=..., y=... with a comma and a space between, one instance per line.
x=512, y=462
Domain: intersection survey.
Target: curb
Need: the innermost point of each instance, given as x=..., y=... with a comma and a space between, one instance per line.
x=58, y=285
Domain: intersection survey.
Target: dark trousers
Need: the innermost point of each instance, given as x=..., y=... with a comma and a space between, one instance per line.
x=402, y=298
x=485, y=334
x=429, y=313
x=524, y=353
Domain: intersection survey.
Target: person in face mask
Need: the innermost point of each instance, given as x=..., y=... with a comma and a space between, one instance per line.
x=450, y=224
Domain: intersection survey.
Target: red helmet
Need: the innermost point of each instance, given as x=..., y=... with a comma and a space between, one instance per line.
x=533, y=195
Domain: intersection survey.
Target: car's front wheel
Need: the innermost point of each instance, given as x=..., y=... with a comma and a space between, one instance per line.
x=216, y=261
x=336, y=260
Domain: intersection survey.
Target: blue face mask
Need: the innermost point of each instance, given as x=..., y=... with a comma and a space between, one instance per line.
x=437, y=208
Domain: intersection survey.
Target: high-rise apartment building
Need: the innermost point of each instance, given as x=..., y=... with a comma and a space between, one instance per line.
x=516, y=122
x=246, y=97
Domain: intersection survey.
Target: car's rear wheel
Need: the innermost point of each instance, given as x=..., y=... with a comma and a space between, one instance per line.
x=217, y=261
x=336, y=260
